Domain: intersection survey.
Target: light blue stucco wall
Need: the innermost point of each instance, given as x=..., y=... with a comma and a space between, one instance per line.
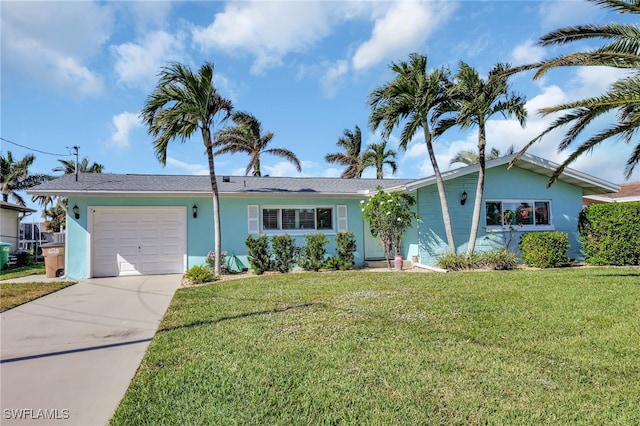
x=500, y=183
x=200, y=235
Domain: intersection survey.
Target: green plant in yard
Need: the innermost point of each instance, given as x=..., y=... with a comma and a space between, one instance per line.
x=284, y=253
x=499, y=260
x=389, y=214
x=610, y=233
x=545, y=249
x=547, y=347
x=199, y=274
x=211, y=260
x=312, y=256
x=346, y=247
x=24, y=258
x=259, y=256
x=332, y=262
x=456, y=262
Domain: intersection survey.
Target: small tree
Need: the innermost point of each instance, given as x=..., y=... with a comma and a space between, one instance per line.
x=284, y=253
x=258, y=256
x=313, y=252
x=389, y=214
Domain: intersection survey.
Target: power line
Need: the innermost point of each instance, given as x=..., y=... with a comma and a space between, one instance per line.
x=33, y=149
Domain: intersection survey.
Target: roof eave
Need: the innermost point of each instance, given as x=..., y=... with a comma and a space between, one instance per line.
x=590, y=184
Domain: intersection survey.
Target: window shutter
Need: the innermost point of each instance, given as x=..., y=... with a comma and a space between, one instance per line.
x=254, y=219
x=342, y=218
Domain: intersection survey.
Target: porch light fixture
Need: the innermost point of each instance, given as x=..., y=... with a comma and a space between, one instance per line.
x=463, y=198
x=194, y=209
x=76, y=211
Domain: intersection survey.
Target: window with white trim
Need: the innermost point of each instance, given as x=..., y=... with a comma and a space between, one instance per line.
x=297, y=219
x=529, y=214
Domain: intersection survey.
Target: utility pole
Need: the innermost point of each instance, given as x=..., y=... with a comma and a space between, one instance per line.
x=75, y=149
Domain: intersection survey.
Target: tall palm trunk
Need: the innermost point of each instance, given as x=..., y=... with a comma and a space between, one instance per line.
x=206, y=136
x=441, y=190
x=477, y=205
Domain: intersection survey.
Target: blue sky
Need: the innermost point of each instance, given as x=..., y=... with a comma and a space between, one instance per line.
x=78, y=73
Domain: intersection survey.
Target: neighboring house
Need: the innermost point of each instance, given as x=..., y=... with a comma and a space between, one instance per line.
x=628, y=192
x=10, y=215
x=33, y=235
x=158, y=224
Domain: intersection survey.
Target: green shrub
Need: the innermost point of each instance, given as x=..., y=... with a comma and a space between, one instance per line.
x=545, y=249
x=346, y=247
x=199, y=274
x=500, y=259
x=313, y=252
x=456, y=262
x=258, y=255
x=333, y=263
x=24, y=258
x=610, y=233
x=211, y=260
x=284, y=253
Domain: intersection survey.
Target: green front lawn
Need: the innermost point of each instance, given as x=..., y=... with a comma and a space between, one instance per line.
x=15, y=294
x=520, y=347
x=24, y=271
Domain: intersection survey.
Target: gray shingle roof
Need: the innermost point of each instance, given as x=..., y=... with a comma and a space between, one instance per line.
x=106, y=183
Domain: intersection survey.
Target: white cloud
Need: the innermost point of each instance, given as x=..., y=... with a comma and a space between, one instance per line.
x=148, y=14
x=268, y=30
x=285, y=168
x=560, y=13
x=124, y=124
x=593, y=81
x=138, y=64
x=405, y=26
x=50, y=42
x=333, y=76
x=191, y=169
x=527, y=53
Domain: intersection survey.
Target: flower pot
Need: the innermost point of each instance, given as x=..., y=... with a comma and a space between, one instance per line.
x=414, y=260
x=398, y=262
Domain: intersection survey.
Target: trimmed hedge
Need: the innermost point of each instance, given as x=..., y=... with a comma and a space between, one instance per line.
x=545, y=249
x=346, y=247
x=259, y=256
x=313, y=252
x=610, y=233
x=284, y=253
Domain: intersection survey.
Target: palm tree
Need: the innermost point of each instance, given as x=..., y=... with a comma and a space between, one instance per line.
x=352, y=144
x=69, y=167
x=469, y=157
x=413, y=96
x=16, y=177
x=55, y=216
x=246, y=136
x=474, y=100
x=181, y=104
x=377, y=155
x=623, y=97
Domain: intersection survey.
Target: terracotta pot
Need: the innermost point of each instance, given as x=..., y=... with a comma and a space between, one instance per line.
x=414, y=259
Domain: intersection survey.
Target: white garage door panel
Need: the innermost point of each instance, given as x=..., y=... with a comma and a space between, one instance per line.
x=135, y=241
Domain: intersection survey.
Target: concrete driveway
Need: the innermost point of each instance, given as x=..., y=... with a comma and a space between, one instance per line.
x=68, y=358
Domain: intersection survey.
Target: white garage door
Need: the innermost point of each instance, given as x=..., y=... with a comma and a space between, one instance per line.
x=138, y=241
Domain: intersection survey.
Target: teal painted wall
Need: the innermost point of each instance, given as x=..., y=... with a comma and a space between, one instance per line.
x=200, y=236
x=500, y=183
